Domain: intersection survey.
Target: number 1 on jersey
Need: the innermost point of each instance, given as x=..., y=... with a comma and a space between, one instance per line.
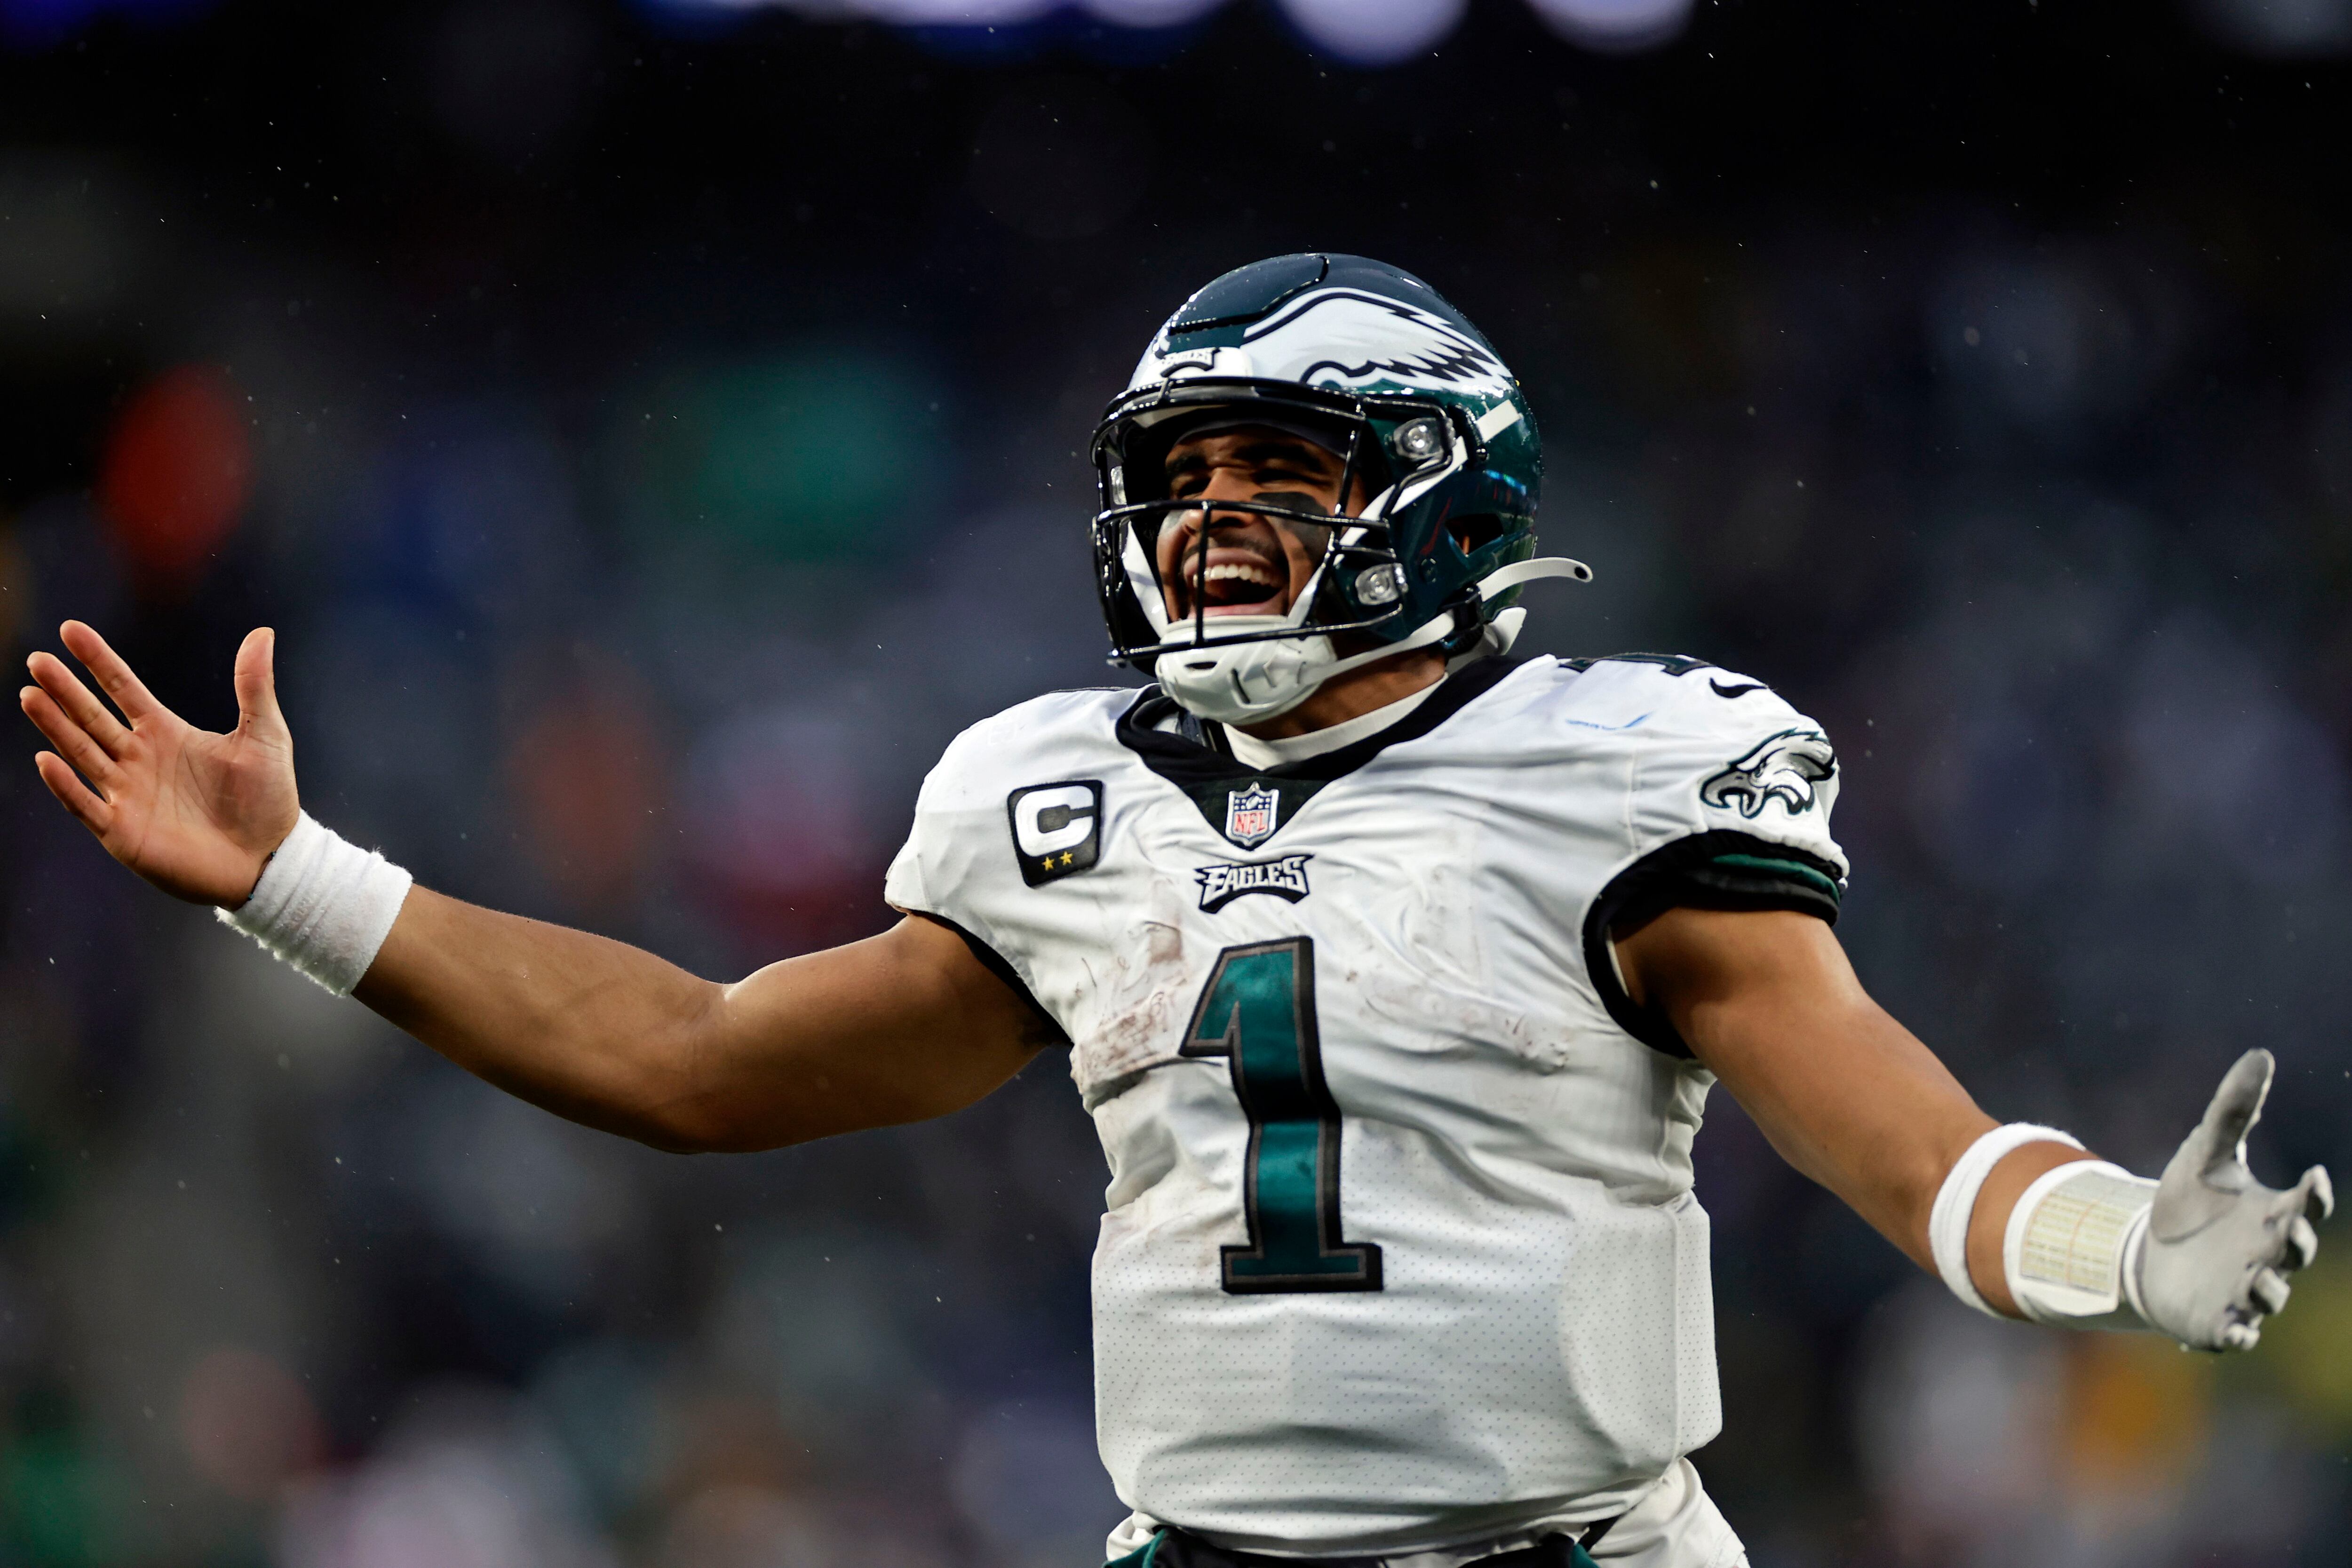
x=1259, y=1012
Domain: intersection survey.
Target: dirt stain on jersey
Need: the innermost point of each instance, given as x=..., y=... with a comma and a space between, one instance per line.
x=1142, y=998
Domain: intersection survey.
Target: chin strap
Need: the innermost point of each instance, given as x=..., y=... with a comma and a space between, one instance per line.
x=1542, y=566
x=1503, y=630
x=1437, y=628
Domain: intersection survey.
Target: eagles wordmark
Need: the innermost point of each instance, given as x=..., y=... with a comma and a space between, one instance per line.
x=1221, y=884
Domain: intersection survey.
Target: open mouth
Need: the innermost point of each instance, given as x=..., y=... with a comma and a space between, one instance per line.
x=1234, y=583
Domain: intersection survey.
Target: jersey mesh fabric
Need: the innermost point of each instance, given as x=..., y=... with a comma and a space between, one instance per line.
x=1542, y=1341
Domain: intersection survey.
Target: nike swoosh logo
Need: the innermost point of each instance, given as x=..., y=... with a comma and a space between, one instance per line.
x=1723, y=691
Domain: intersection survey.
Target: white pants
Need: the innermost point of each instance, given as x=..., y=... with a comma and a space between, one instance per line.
x=1676, y=1525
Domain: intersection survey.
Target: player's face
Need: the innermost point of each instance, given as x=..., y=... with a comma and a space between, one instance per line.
x=1254, y=565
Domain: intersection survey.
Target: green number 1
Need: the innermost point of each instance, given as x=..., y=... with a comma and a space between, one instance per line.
x=1259, y=1012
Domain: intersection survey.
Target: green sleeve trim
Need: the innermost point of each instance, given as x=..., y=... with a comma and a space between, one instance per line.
x=1826, y=886
x=1719, y=869
x=1143, y=1555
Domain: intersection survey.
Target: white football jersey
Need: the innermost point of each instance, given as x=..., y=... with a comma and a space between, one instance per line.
x=1400, y=1249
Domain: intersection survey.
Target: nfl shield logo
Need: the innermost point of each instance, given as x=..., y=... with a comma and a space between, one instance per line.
x=1249, y=814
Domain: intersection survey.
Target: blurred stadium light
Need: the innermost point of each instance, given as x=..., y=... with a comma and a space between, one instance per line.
x=178, y=470
x=1364, y=33
x=585, y=773
x=951, y=13
x=247, y=1423
x=35, y=23
x=799, y=457
x=2289, y=27
x=777, y=830
x=1150, y=13
x=1373, y=32
x=1616, y=26
x=1369, y=33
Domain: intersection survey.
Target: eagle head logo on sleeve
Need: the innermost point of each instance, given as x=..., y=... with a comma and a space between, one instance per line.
x=1784, y=767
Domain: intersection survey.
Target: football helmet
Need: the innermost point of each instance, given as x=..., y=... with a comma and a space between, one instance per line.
x=1372, y=363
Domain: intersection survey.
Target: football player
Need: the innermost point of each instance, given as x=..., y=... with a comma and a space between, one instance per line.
x=1393, y=971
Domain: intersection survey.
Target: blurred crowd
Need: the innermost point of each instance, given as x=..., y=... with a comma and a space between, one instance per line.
x=654, y=440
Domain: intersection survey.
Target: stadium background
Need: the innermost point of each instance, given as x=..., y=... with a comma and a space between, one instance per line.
x=655, y=432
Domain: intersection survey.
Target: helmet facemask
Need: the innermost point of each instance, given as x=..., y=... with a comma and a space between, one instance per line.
x=1239, y=668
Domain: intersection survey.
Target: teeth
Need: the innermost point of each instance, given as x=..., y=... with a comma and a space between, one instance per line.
x=1257, y=574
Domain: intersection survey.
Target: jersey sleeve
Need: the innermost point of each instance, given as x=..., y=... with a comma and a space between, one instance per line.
x=1728, y=807
x=946, y=873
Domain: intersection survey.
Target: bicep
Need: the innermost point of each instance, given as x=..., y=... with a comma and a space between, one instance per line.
x=899, y=1027
x=1768, y=1002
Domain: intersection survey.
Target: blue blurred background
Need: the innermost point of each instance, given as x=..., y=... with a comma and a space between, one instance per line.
x=656, y=431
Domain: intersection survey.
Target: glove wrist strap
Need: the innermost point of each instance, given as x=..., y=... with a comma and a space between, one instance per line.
x=2068, y=1241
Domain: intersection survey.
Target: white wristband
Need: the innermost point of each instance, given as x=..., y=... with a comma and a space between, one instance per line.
x=2065, y=1250
x=323, y=905
x=1956, y=1203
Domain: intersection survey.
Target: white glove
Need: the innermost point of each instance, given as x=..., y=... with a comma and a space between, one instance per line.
x=2210, y=1260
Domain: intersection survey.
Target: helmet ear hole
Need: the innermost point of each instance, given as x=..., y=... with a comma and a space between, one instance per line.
x=1472, y=534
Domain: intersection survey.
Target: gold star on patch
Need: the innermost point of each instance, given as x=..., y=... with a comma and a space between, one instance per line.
x=1069, y=856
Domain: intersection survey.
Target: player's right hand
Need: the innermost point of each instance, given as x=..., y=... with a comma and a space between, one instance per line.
x=2219, y=1244
x=195, y=813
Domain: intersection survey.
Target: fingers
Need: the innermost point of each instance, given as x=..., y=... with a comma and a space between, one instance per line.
x=2268, y=1291
x=87, y=755
x=256, y=683
x=114, y=677
x=2293, y=1211
x=2240, y=1337
x=77, y=702
x=2319, y=1193
x=73, y=794
x=2301, y=1245
x=2237, y=1106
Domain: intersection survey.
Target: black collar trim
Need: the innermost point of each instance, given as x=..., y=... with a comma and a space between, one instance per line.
x=1192, y=763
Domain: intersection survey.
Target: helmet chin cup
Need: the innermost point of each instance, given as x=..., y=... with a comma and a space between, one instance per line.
x=1242, y=683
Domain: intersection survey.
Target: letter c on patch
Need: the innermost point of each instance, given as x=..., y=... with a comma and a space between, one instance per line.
x=1056, y=828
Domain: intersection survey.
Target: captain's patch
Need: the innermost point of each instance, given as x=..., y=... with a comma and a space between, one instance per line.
x=1285, y=878
x=1784, y=768
x=1056, y=828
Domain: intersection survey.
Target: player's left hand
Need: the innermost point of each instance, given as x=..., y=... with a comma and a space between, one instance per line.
x=2218, y=1243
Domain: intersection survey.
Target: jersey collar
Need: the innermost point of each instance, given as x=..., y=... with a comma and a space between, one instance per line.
x=1193, y=757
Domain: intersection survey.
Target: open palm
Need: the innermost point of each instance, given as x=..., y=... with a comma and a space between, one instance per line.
x=195, y=813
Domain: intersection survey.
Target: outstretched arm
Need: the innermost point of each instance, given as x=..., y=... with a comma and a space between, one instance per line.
x=1768, y=1002
x=901, y=1026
